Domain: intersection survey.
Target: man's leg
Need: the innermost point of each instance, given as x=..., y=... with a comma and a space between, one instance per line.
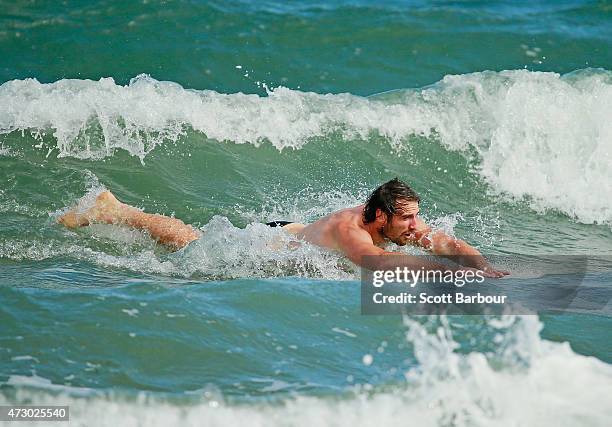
x=107, y=209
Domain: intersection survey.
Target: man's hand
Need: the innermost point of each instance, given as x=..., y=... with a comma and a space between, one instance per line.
x=489, y=269
x=486, y=271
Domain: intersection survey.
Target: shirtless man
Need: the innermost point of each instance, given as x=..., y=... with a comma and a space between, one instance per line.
x=390, y=214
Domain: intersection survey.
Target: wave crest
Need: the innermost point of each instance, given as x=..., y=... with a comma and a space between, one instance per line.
x=537, y=135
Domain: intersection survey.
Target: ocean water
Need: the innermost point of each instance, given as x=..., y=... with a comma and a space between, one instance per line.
x=231, y=114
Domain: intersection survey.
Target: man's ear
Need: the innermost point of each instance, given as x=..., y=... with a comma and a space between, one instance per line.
x=381, y=217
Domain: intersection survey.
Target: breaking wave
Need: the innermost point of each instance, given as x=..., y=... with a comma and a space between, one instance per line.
x=534, y=135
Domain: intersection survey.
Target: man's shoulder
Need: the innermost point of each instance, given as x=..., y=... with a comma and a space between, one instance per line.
x=349, y=214
x=349, y=222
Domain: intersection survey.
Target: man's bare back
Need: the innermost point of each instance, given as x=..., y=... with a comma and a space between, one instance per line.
x=322, y=232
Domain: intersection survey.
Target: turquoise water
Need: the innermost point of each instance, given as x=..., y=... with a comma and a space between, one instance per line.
x=228, y=115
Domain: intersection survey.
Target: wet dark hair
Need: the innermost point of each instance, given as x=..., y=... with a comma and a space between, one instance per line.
x=386, y=197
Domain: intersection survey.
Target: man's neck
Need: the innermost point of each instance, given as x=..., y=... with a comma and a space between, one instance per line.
x=377, y=237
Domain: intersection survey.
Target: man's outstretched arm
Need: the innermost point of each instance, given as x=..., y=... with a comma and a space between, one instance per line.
x=358, y=246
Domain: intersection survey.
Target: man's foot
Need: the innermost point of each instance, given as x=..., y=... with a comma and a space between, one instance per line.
x=107, y=209
x=294, y=228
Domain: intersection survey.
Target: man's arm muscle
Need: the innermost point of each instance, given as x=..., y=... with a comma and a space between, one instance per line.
x=441, y=244
x=356, y=243
x=358, y=246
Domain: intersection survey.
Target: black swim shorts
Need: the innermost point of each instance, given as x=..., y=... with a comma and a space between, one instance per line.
x=278, y=223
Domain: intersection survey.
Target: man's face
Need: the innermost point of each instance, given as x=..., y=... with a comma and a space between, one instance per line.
x=401, y=226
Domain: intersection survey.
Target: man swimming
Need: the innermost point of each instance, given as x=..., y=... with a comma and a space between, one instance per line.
x=390, y=214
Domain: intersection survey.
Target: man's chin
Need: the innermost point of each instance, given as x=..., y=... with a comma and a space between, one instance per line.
x=400, y=240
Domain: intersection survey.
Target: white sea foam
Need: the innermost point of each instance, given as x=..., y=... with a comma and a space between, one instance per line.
x=229, y=252
x=540, y=135
x=534, y=383
x=226, y=252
